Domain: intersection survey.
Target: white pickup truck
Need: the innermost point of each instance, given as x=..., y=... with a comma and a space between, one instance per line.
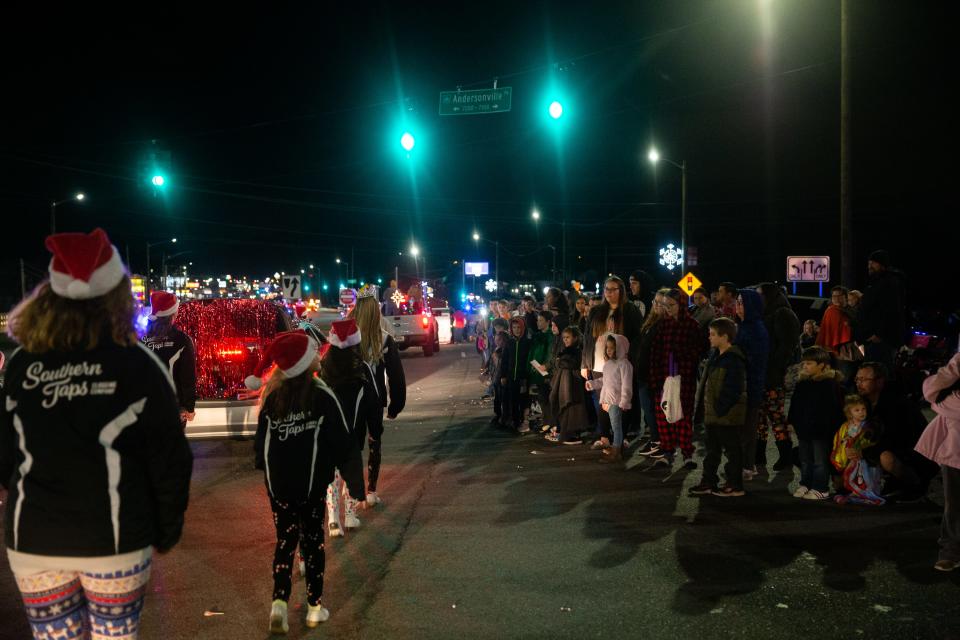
x=415, y=327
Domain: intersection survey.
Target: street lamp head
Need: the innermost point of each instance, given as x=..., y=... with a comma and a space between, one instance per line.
x=653, y=156
x=80, y=196
x=535, y=214
x=476, y=236
x=414, y=250
x=173, y=240
x=338, y=260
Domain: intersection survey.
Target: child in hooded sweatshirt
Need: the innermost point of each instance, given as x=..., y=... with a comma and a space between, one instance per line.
x=722, y=398
x=500, y=344
x=861, y=481
x=567, y=398
x=616, y=390
x=815, y=410
x=513, y=374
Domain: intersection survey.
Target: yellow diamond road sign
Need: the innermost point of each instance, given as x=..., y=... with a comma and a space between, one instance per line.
x=689, y=283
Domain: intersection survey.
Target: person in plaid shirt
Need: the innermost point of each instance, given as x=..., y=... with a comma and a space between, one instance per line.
x=679, y=336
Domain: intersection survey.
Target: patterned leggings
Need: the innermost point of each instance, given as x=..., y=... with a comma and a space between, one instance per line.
x=674, y=435
x=773, y=416
x=69, y=604
x=303, y=524
x=373, y=463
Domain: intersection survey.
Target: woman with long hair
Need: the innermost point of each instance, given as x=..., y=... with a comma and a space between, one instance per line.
x=91, y=449
x=676, y=351
x=302, y=440
x=344, y=371
x=613, y=315
x=641, y=373
x=379, y=352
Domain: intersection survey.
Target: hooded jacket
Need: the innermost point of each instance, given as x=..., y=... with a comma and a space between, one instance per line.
x=722, y=393
x=616, y=385
x=516, y=355
x=784, y=330
x=881, y=310
x=940, y=441
x=754, y=342
x=541, y=350
x=816, y=410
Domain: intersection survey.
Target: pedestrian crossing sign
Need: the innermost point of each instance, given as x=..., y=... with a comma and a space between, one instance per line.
x=689, y=283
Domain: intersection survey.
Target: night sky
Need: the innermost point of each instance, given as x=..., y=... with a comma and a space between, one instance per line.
x=283, y=130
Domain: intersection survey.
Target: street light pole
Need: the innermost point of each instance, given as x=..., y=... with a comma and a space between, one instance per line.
x=53, y=210
x=553, y=270
x=683, y=213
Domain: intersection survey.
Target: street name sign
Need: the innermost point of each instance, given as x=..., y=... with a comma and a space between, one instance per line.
x=808, y=268
x=465, y=103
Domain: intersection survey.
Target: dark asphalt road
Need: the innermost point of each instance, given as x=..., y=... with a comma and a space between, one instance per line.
x=486, y=535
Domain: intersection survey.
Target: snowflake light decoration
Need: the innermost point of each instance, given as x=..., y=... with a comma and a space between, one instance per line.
x=397, y=297
x=671, y=257
x=491, y=285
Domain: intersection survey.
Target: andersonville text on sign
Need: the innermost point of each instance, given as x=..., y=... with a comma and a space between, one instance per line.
x=458, y=103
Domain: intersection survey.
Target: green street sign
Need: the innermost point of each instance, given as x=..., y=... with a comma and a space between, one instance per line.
x=464, y=103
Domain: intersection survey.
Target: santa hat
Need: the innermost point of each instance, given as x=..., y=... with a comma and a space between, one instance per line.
x=291, y=351
x=163, y=304
x=84, y=266
x=344, y=333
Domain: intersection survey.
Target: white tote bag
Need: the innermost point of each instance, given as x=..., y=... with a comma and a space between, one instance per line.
x=670, y=401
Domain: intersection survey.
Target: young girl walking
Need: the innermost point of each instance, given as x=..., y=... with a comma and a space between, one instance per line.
x=302, y=438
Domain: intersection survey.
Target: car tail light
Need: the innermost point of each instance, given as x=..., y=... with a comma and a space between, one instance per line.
x=425, y=321
x=231, y=351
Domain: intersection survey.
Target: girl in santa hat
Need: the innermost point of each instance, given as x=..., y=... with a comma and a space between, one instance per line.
x=91, y=448
x=302, y=439
x=381, y=355
x=175, y=349
x=344, y=370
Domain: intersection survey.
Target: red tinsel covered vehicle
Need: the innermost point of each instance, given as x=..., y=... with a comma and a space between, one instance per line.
x=229, y=336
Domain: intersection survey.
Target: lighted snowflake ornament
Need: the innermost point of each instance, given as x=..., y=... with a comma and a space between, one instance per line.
x=491, y=285
x=671, y=257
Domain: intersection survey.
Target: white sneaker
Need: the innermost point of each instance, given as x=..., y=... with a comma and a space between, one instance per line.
x=316, y=615
x=800, y=492
x=373, y=499
x=813, y=494
x=278, y=617
x=749, y=474
x=335, y=530
x=303, y=568
x=524, y=427
x=351, y=521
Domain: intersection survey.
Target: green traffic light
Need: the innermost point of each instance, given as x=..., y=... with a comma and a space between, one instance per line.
x=158, y=180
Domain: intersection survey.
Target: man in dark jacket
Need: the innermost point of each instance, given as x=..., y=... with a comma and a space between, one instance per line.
x=754, y=342
x=513, y=375
x=880, y=321
x=784, y=330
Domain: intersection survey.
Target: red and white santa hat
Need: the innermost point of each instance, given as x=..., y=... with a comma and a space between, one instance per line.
x=163, y=304
x=344, y=333
x=291, y=351
x=84, y=265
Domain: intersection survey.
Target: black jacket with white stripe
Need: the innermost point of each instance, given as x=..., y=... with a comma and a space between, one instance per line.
x=175, y=349
x=92, y=453
x=300, y=452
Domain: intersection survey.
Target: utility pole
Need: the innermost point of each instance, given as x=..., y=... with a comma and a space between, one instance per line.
x=563, y=254
x=846, y=222
x=23, y=279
